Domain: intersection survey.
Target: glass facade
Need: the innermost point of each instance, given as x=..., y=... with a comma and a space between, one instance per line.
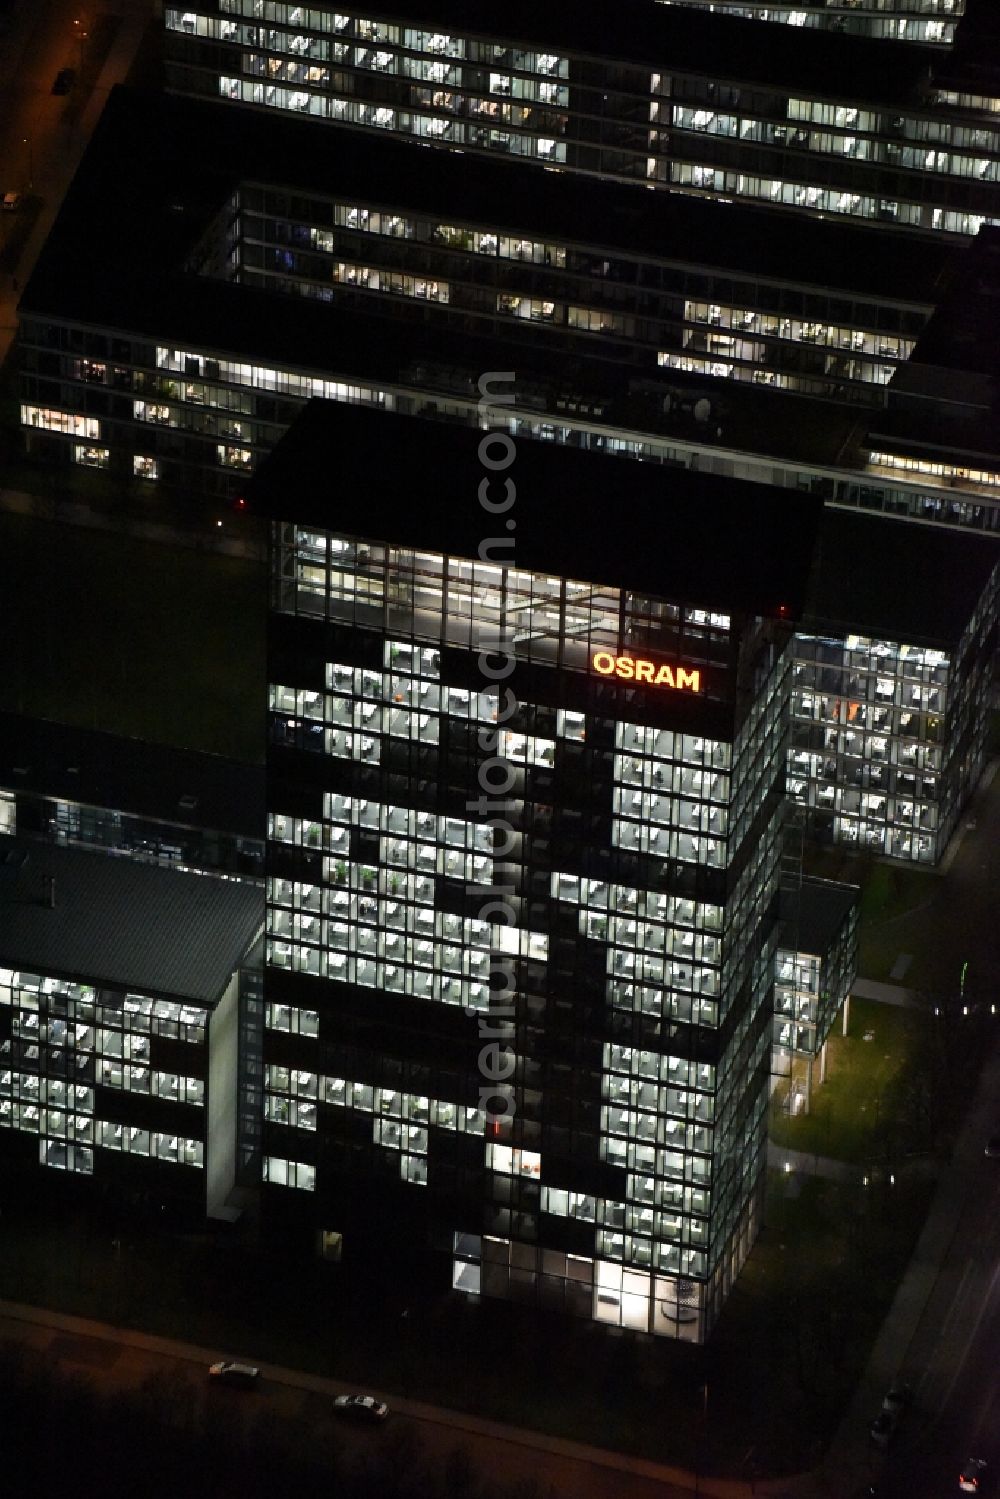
x=150, y=840
x=867, y=743
x=811, y=985
x=640, y=869
x=75, y=1059
x=927, y=21
x=202, y=394
x=932, y=163
x=646, y=310
x=888, y=738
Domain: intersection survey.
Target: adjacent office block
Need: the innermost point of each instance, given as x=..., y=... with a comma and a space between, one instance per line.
x=91, y=789
x=816, y=964
x=932, y=21
x=891, y=684
x=676, y=333
x=119, y=986
x=668, y=97
x=645, y=749
x=657, y=283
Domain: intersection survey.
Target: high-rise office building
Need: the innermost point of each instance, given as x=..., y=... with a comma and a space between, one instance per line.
x=622, y=881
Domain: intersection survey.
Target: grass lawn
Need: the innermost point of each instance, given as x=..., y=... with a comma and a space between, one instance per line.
x=887, y=890
x=891, y=890
x=162, y=643
x=847, y=1110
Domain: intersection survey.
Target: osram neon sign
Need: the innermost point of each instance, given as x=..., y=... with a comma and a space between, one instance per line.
x=653, y=673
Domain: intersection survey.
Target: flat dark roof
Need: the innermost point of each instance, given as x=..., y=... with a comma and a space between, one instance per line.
x=130, y=775
x=965, y=441
x=816, y=912
x=963, y=332
x=916, y=584
x=158, y=169
x=685, y=536
x=122, y=923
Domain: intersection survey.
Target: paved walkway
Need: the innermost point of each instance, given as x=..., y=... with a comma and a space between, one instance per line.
x=805, y=1163
x=885, y=994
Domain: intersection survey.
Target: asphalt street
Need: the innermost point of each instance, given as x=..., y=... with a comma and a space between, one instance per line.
x=940, y=1337
x=43, y=135
x=115, y=1359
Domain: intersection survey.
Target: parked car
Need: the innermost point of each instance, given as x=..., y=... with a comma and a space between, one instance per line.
x=64, y=80
x=883, y=1428
x=972, y=1479
x=11, y=201
x=226, y=1371
x=360, y=1408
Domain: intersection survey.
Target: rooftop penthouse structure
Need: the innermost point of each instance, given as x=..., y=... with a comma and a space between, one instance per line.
x=158, y=804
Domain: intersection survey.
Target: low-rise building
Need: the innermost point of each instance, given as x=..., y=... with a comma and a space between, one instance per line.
x=815, y=966
x=153, y=802
x=120, y=1048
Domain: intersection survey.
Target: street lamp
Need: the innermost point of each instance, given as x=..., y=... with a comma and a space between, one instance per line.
x=26, y=141
x=700, y=1450
x=81, y=37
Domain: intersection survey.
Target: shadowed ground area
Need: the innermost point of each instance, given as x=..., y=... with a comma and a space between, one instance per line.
x=104, y=631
